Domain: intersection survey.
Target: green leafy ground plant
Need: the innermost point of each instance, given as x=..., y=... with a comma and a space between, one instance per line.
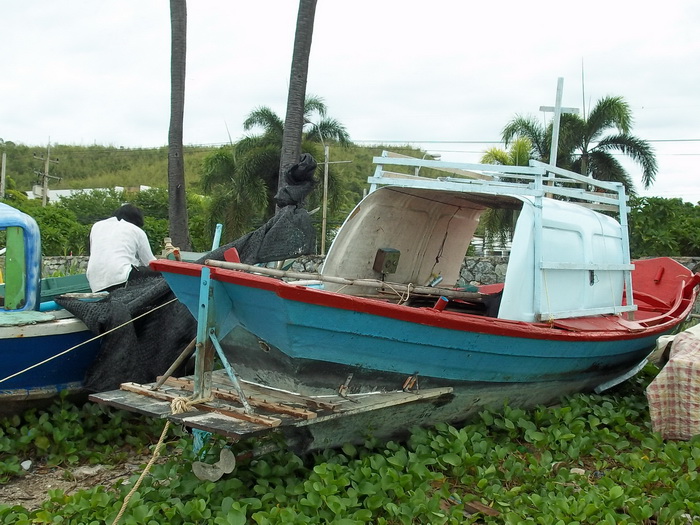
x=592, y=459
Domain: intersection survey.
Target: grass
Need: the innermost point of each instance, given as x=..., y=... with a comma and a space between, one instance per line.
x=591, y=459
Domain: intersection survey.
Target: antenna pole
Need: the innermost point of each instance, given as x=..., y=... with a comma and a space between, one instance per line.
x=583, y=90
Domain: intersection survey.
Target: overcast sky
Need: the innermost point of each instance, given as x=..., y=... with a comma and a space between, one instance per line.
x=445, y=75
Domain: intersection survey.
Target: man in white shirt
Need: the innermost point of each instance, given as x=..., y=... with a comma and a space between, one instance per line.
x=119, y=250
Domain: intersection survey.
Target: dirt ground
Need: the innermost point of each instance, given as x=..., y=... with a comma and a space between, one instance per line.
x=31, y=490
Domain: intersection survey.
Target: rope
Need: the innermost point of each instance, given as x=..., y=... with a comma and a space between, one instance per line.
x=403, y=297
x=179, y=405
x=85, y=342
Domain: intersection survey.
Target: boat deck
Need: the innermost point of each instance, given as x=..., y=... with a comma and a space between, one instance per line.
x=225, y=415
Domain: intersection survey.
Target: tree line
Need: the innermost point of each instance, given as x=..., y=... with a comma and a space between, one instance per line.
x=658, y=226
x=234, y=184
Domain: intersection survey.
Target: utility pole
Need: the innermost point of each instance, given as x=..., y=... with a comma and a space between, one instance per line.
x=45, y=175
x=2, y=175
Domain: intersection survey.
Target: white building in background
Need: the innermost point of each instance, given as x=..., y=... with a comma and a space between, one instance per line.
x=55, y=195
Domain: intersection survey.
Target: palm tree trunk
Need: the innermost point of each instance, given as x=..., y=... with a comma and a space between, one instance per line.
x=294, y=120
x=584, y=162
x=177, y=204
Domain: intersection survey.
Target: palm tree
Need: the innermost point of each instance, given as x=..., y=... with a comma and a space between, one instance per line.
x=177, y=204
x=236, y=202
x=590, y=152
x=498, y=224
x=538, y=135
x=294, y=120
x=242, y=178
x=583, y=145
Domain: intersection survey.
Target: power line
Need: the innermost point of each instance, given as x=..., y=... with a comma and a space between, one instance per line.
x=393, y=141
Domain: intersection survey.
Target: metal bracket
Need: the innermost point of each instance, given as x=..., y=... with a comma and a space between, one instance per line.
x=207, y=342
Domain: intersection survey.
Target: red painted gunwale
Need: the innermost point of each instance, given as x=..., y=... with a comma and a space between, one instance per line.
x=592, y=329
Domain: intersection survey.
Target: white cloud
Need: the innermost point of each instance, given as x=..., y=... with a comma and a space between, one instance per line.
x=98, y=72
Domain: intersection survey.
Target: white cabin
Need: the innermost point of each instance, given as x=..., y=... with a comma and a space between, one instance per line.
x=566, y=259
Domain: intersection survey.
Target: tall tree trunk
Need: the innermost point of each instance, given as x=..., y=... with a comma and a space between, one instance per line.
x=294, y=120
x=177, y=203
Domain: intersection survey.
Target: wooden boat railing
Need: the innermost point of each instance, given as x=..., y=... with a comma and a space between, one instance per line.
x=368, y=283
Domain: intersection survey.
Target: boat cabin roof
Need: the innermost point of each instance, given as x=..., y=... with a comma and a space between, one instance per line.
x=567, y=260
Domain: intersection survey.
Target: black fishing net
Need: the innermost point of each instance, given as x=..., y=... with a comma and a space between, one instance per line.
x=289, y=233
x=146, y=330
x=156, y=327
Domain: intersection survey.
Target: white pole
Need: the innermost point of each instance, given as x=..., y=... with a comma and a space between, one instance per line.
x=325, y=200
x=2, y=175
x=557, y=110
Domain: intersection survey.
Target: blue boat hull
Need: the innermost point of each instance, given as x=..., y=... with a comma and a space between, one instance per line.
x=23, y=347
x=311, y=341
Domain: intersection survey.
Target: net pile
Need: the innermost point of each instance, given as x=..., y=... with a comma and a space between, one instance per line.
x=141, y=350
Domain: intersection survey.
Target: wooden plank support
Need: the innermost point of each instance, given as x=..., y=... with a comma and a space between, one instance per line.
x=203, y=407
x=275, y=395
x=218, y=393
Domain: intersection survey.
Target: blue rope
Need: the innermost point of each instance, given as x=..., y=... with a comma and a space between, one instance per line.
x=201, y=438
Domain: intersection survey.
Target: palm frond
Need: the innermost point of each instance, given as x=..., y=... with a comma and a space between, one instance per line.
x=265, y=118
x=637, y=149
x=496, y=156
x=606, y=167
x=314, y=103
x=219, y=168
x=609, y=112
x=532, y=129
x=328, y=129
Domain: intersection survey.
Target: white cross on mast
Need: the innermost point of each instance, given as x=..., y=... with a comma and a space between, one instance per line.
x=558, y=110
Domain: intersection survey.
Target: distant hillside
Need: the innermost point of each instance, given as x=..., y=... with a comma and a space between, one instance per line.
x=107, y=166
x=97, y=166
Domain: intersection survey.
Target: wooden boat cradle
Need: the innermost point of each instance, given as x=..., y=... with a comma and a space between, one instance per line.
x=224, y=413
x=227, y=410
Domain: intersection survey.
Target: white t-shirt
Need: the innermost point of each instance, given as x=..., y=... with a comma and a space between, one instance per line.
x=114, y=247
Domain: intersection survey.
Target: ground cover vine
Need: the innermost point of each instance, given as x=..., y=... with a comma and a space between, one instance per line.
x=591, y=459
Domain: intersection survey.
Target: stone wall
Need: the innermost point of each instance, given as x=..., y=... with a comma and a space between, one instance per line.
x=476, y=269
x=481, y=269
x=68, y=265
x=53, y=266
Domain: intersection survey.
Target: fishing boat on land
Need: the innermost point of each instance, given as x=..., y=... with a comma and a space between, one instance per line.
x=386, y=336
x=33, y=328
